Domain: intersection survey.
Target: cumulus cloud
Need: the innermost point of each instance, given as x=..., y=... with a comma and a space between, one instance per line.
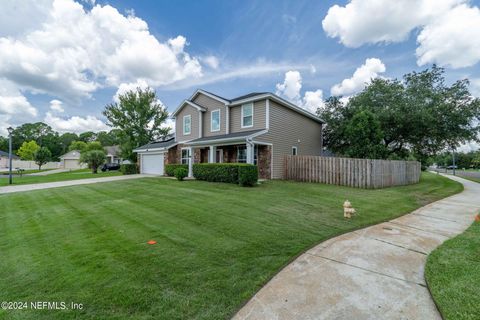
x=291, y=90
x=452, y=39
x=448, y=27
x=12, y=102
x=56, y=105
x=75, y=124
x=362, y=76
x=76, y=51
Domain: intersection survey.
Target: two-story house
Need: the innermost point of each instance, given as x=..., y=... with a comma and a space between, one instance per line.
x=258, y=128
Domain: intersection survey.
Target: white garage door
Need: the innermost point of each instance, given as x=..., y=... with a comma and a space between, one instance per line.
x=152, y=163
x=71, y=164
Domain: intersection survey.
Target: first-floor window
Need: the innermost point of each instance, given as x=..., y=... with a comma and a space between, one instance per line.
x=294, y=151
x=242, y=154
x=185, y=156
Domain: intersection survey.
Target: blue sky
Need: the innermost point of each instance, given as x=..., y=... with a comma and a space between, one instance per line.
x=64, y=61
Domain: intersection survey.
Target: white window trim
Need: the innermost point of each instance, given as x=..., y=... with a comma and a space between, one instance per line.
x=189, y=155
x=219, y=120
x=189, y=116
x=296, y=151
x=243, y=105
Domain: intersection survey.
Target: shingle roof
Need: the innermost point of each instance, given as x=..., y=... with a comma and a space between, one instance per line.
x=238, y=135
x=5, y=154
x=246, y=96
x=164, y=143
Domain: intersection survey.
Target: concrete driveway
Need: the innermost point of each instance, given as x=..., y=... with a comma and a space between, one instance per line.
x=59, y=184
x=373, y=273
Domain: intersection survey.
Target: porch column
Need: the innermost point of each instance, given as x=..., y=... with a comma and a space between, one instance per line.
x=250, y=149
x=190, y=162
x=212, y=154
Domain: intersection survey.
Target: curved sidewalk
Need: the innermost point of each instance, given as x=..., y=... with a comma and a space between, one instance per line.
x=372, y=273
x=68, y=183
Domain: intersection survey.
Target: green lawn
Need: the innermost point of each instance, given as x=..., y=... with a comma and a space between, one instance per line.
x=453, y=274
x=62, y=176
x=217, y=244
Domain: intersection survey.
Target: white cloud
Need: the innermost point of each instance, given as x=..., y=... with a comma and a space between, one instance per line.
x=170, y=123
x=56, y=105
x=313, y=100
x=211, y=61
x=452, y=39
x=291, y=86
x=291, y=90
x=12, y=102
x=362, y=76
x=76, y=51
x=75, y=124
x=449, y=28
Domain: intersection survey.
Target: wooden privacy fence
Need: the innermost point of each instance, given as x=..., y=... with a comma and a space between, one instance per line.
x=359, y=173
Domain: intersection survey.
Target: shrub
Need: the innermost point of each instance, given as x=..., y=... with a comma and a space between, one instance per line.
x=247, y=176
x=180, y=173
x=224, y=172
x=130, y=168
x=170, y=168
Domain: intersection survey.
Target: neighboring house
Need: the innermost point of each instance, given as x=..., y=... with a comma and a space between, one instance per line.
x=70, y=160
x=4, y=159
x=113, y=154
x=258, y=128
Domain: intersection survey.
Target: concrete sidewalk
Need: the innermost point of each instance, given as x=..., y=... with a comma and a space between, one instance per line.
x=373, y=273
x=59, y=184
x=47, y=172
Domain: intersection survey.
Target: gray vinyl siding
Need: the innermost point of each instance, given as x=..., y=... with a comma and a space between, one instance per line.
x=187, y=110
x=287, y=127
x=259, y=116
x=211, y=105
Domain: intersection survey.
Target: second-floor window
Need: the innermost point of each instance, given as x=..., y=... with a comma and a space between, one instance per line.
x=187, y=124
x=247, y=115
x=215, y=123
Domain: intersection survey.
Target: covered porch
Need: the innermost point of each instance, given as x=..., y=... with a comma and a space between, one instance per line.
x=241, y=151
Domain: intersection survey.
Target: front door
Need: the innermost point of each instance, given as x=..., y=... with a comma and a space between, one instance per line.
x=219, y=156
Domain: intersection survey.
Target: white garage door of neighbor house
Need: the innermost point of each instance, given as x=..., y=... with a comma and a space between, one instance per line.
x=71, y=164
x=152, y=163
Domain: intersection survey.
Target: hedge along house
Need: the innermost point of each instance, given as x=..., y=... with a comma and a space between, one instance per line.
x=257, y=128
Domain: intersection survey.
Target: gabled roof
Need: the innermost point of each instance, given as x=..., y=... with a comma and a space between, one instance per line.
x=190, y=103
x=4, y=154
x=162, y=144
x=71, y=155
x=208, y=94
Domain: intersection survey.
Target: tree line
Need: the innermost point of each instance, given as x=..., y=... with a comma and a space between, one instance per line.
x=417, y=118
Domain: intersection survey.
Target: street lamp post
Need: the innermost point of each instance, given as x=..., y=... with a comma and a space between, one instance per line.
x=10, y=131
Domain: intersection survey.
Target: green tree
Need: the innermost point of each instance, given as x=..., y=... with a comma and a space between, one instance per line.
x=139, y=115
x=88, y=136
x=3, y=144
x=27, y=150
x=42, y=156
x=94, y=145
x=94, y=159
x=419, y=116
x=77, y=145
x=30, y=131
x=366, y=136
x=66, y=140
